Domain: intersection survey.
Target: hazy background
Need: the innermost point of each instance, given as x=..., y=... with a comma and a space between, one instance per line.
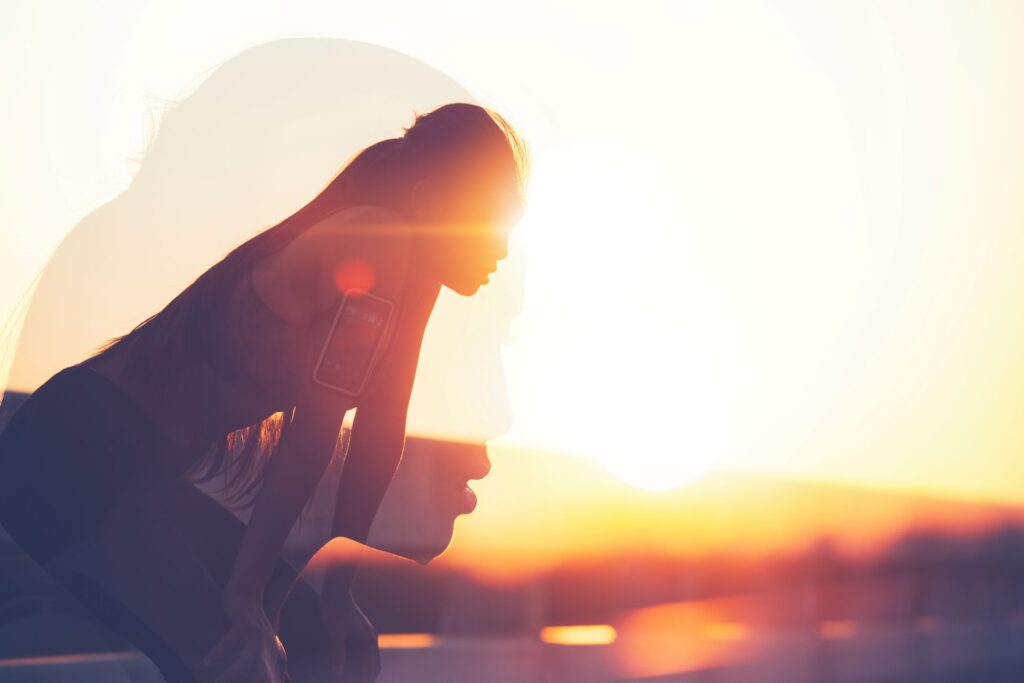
x=776, y=238
x=749, y=379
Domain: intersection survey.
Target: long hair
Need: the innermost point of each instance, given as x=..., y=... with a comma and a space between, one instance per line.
x=165, y=347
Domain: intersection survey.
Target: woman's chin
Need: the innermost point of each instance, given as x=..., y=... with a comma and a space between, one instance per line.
x=427, y=552
x=467, y=286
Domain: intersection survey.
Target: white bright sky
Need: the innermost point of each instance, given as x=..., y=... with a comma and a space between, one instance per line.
x=778, y=237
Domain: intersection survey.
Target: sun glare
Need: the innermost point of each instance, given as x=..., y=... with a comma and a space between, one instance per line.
x=657, y=476
x=606, y=375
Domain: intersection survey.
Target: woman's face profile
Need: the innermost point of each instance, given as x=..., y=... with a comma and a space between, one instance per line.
x=466, y=226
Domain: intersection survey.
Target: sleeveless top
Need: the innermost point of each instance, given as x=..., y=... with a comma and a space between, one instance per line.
x=250, y=345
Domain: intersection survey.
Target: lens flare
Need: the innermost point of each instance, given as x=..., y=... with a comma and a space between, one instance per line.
x=353, y=274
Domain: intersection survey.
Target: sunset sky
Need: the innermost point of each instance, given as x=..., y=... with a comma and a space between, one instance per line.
x=777, y=238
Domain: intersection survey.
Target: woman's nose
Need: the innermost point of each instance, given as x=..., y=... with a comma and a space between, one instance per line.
x=480, y=465
x=469, y=460
x=500, y=244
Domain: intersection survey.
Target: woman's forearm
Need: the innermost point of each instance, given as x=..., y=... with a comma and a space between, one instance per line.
x=368, y=470
x=378, y=433
x=290, y=478
x=370, y=464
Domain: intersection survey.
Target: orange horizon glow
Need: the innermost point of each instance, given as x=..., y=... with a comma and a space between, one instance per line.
x=405, y=641
x=584, y=634
x=600, y=517
x=683, y=636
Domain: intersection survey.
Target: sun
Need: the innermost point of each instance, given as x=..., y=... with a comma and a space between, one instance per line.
x=602, y=373
x=659, y=476
x=668, y=434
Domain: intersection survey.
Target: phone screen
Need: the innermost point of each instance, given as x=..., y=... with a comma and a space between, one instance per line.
x=349, y=352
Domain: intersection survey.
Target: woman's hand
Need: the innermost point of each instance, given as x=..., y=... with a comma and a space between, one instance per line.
x=250, y=650
x=354, y=651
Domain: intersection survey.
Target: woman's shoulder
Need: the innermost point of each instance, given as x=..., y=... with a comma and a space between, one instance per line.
x=367, y=220
x=364, y=247
x=361, y=247
x=360, y=227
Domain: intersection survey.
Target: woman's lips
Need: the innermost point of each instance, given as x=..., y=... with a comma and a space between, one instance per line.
x=468, y=500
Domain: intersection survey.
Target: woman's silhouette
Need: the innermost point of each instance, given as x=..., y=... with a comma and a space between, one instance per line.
x=109, y=495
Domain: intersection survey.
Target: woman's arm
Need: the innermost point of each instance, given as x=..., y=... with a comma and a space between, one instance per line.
x=374, y=453
x=378, y=435
x=374, y=237
x=251, y=650
x=290, y=478
x=375, y=450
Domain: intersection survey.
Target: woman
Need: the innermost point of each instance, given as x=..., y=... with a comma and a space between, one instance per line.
x=97, y=466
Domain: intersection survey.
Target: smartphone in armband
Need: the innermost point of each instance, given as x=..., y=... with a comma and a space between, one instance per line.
x=353, y=342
